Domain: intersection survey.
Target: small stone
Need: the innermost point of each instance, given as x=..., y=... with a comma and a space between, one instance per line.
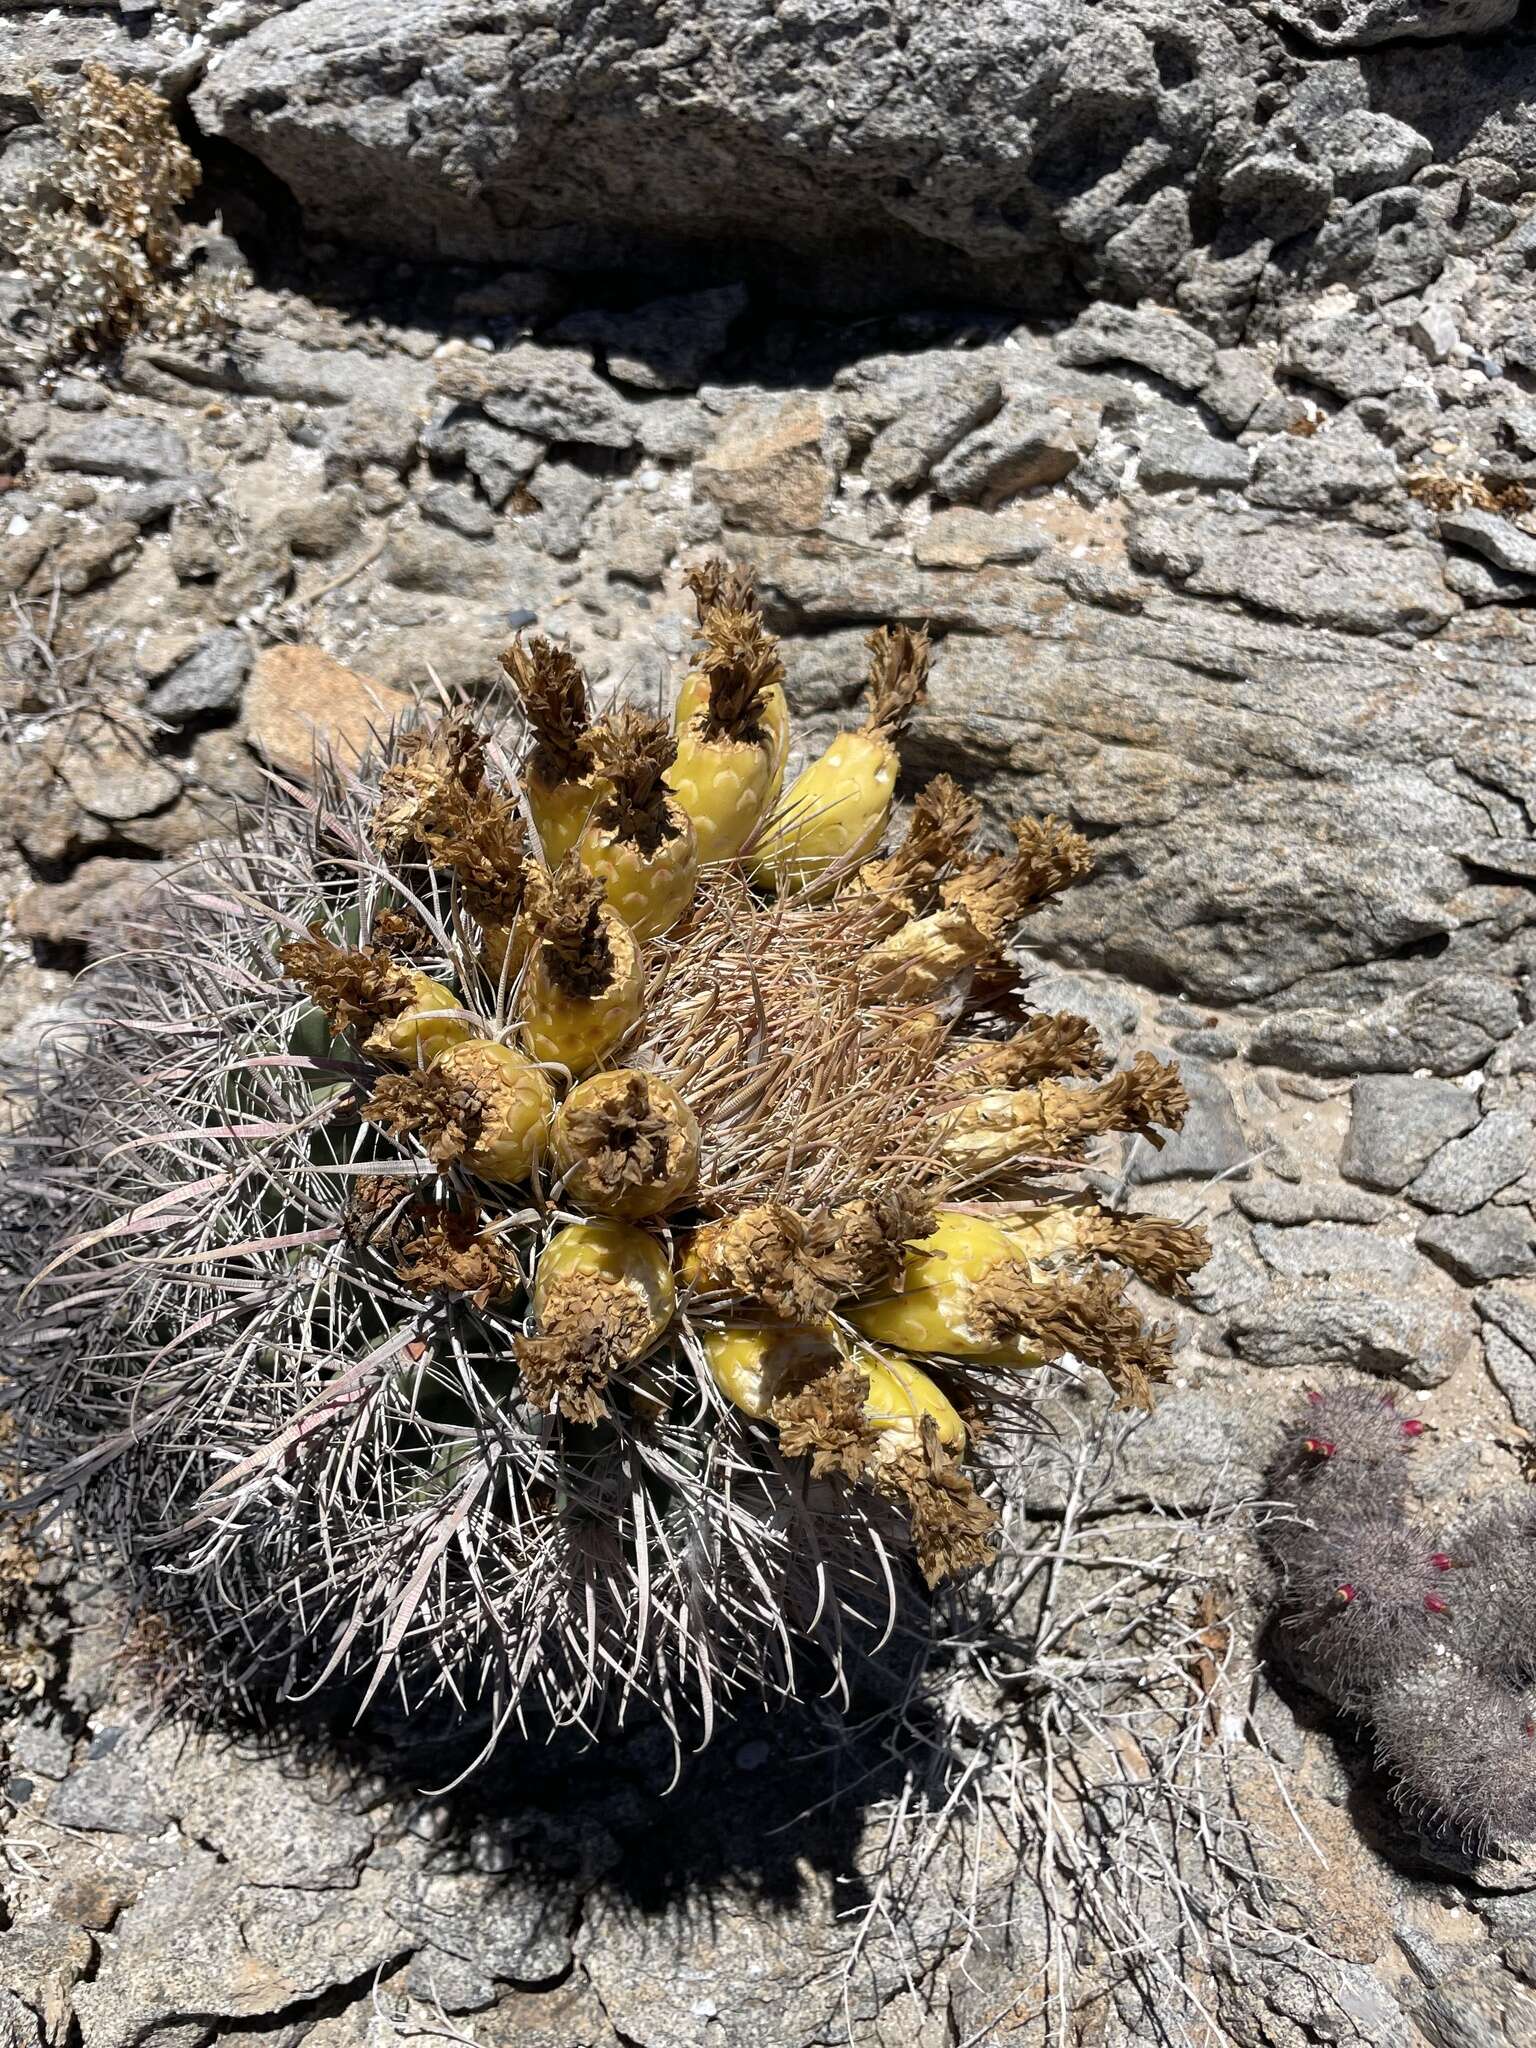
x=1273, y=192
x=370, y=432
x=1160, y=342
x=1509, y=1345
x=1478, y=583
x=1357, y=24
x=94, y=556
x=552, y=394
x=117, y=446
x=458, y=510
x=1024, y=446
x=1470, y=1171
x=1435, y=332
x=110, y=1793
x=430, y=558
x=1239, y=382
x=1496, y=539
x=1321, y=472
x=318, y=526
x=1450, y=1025
x=1280, y=1202
x=147, y=503
x=1178, y=458
x=299, y=699
x=1397, y=1123
x=198, y=552
x=448, y=1981
x=497, y=460
x=223, y=763
x=1211, y=1142
x=1338, y=353
x=1418, y=1342
x=89, y=912
x=772, y=466
x=113, y=775
x=1329, y=1250
x=1369, y=152
x=1488, y=1244
x=963, y=538
x=209, y=680
x=567, y=497
x=961, y=399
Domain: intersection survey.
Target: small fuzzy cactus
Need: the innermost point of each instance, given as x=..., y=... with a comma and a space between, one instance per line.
x=1429, y=1639
x=548, y=1224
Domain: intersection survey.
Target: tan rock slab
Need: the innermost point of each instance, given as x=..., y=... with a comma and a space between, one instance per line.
x=769, y=467
x=301, y=701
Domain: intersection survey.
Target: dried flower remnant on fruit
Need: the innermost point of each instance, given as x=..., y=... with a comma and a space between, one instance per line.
x=351, y=986
x=633, y=752
x=1087, y=1317
x=937, y=843
x=1053, y=1120
x=741, y=665
x=1157, y=1249
x=565, y=913
x=1049, y=1047
x=954, y=1530
x=402, y=933
x=627, y=1143
x=719, y=587
x=444, y=1251
x=448, y=757
x=553, y=694
x=899, y=661
x=440, y=1113
x=824, y=1420
x=587, y=1332
x=982, y=907
x=799, y=1267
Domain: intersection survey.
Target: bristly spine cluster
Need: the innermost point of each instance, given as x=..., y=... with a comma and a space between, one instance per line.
x=569, y=1216
x=1430, y=1641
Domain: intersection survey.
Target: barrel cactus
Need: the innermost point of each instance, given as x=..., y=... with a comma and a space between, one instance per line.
x=562, y=1219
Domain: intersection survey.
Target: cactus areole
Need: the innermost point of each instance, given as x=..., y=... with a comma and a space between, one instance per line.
x=574, y=1215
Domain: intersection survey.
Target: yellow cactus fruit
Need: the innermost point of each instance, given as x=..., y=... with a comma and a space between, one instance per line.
x=481, y=1105
x=582, y=989
x=603, y=1294
x=717, y=587
x=751, y=1363
x=931, y=1313
x=982, y=907
x=900, y=1397
x=557, y=775
x=639, y=841
x=626, y=1144
x=881, y=1423
x=432, y=1021
x=1002, y=1127
x=728, y=756
x=835, y=811
x=971, y=1292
